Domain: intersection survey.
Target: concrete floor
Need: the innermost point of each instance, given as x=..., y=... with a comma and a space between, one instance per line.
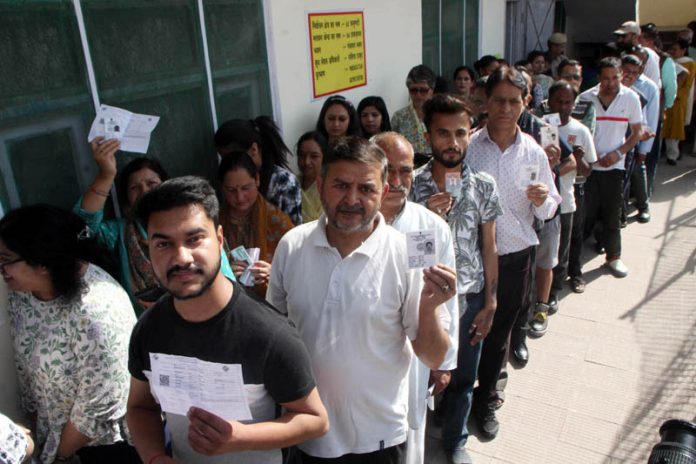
x=617, y=360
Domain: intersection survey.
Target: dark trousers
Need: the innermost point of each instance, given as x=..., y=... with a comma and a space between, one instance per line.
x=577, y=233
x=118, y=453
x=653, y=157
x=603, y=207
x=639, y=186
x=513, y=288
x=561, y=270
x=391, y=455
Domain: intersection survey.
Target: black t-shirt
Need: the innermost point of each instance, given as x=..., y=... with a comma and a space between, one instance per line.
x=247, y=332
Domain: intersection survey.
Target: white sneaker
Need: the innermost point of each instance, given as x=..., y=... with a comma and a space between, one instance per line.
x=617, y=268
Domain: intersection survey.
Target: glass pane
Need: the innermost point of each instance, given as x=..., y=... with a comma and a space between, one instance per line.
x=238, y=60
x=471, y=32
x=430, y=13
x=44, y=169
x=452, y=31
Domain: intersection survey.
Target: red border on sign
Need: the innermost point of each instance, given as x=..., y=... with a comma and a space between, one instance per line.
x=311, y=50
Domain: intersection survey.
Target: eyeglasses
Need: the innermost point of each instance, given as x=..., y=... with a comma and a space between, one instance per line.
x=3, y=264
x=419, y=90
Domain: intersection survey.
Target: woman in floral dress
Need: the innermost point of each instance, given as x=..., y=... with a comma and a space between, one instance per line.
x=70, y=326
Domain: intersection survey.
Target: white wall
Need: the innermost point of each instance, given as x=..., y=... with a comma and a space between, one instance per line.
x=492, y=28
x=393, y=41
x=9, y=402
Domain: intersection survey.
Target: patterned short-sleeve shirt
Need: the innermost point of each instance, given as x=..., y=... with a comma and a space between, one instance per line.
x=284, y=191
x=406, y=122
x=71, y=358
x=477, y=203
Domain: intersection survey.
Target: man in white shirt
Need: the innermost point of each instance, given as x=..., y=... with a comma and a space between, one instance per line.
x=562, y=96
x=525, y=184
x=345, y=282
x=618, y=110
x=406, y=216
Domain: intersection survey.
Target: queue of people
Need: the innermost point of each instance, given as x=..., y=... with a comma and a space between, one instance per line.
x=340, y=339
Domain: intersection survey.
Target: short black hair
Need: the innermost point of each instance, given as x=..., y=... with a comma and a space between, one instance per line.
x=131, y=168
x=531, y=56
x=509, y=75
x=609, y=62
x=631, y=59
x=682, y=43
x=355, y=149
x=178, y=192
x=484, y=62
x=444, y=104
x=561, y=85
x=568, y=62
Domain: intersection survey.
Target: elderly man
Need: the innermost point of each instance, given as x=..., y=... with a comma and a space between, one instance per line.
x=521, y=170
x=618, y=112
x=470, y=204
x=556, y=51
x=406, y=216
x=345, y=282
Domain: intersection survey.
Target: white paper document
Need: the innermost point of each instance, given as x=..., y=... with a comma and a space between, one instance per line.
x=132, y=129
x=549, y=136
x=421, y=248
x=453, y=183
x=181, y=382
x=529, y=174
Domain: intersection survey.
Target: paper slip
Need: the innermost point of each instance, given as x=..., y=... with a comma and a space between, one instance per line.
x=421, y=248
x=554, y=119
x=430, y=400
x=132, y=129
x=549, y=136
x=250, y=256
x=529, y=174
x=453, y=183
x=181, y=382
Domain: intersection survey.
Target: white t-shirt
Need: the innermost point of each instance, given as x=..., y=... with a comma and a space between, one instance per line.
x=355, y=316
x=652, y=67
x=575, y=133
x=613, y=123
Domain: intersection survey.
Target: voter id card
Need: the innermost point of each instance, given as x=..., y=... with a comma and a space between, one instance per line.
x=421, y=247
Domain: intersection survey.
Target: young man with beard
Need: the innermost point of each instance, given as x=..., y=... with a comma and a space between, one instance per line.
x=521, y=170
x=210, y=318
x=345, y=282
x=471, y=210
x=407, y=216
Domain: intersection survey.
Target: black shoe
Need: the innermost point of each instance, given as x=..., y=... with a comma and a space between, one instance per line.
x=577, y=284
x=539, y=322
x=486, y=421
x=671, y=162
x=520, y=352
x=553, y=304
x=599, y=248
x=644, y=216
x=623, y=223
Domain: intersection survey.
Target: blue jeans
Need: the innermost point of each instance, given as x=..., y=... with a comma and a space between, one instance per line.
x=456, y=402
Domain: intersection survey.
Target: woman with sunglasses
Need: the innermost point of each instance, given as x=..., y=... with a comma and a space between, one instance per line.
x=408, y=121
x=70, y=327
x=337, y=119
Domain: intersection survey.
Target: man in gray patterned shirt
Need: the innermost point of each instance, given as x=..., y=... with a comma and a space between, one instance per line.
x=468, y=200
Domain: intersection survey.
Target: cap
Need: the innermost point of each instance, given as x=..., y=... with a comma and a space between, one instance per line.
x=558, y=38
x=629, y=27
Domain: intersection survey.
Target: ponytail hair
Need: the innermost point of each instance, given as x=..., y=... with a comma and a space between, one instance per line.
x=241, y=134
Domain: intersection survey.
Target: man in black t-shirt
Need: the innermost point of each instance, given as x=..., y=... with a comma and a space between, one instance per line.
x=208, y=317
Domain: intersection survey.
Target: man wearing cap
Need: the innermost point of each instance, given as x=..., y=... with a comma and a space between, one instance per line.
x=627, y=37
x=556, y=52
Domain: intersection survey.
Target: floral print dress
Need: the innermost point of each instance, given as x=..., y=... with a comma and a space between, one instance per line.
x=72, y=360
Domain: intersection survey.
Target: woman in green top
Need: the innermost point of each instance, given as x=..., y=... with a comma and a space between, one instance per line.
x=124, y=237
